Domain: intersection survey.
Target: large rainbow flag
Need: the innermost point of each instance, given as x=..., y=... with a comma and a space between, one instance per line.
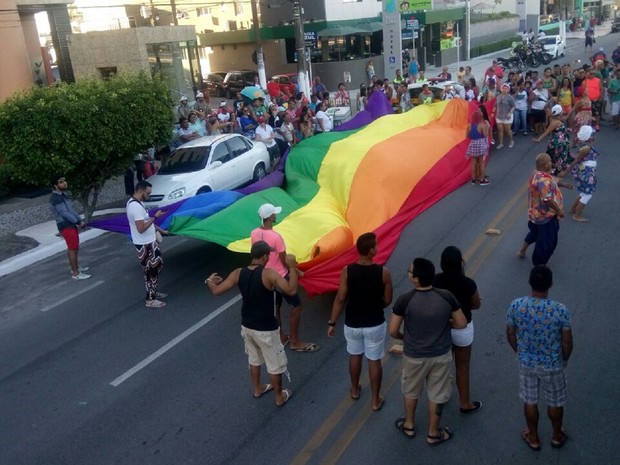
x=339, y=185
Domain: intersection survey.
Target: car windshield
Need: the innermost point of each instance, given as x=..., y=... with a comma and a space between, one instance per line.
x=185, y=160
x=548, y=40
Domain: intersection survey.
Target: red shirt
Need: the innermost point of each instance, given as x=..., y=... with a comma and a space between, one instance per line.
x=273, y=88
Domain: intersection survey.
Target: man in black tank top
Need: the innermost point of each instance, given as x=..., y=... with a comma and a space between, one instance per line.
x=367, y=289
x=259, y=327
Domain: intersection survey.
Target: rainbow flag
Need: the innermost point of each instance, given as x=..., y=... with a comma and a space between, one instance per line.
x=340, y=185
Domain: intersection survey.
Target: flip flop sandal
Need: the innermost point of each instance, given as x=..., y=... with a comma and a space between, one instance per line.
x=266, y=389
x=287, y=394
x=409, y=433
x=526, y=437
x=312, y=347
x=559, y=444
x=444, y=435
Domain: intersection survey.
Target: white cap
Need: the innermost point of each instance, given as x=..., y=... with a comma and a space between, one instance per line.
x=199, y=95
x=183, y=97
x=267, y=209
x=556, y=110
x=585, y=133
x=223, y=103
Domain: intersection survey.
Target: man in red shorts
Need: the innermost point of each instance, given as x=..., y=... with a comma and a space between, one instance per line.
x=68, y=221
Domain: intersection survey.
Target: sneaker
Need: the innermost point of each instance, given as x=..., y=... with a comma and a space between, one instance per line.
x=160, y=295
x=485, y=182
x=525, y=134
x=83, y=268
x=499, y=146
x=155, y=303
x=511, y=145
x=473, y=182
x=80, y=276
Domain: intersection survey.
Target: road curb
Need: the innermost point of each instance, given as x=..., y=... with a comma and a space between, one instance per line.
x=49, y=243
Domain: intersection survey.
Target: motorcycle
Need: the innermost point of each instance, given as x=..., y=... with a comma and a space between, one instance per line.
x=513, y=63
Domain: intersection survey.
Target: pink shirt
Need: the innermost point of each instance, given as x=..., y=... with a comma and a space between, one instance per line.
x=276, y=242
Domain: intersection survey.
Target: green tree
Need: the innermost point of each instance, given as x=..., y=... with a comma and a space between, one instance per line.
x=89, y=131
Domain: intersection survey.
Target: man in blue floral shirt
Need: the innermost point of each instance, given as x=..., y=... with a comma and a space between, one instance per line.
x=538, y=330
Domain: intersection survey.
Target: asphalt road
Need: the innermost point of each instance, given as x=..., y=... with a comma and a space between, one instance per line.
x=88, y=375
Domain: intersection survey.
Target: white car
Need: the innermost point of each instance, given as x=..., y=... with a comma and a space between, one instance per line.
x=553, y=45
x=211, y=163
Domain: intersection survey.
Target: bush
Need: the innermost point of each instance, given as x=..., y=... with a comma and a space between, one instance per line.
x=492, y=47
x=483, y=17
x=88, y=131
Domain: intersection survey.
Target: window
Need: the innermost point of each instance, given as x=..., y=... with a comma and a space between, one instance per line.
x=238, y=9
x=237, y=146
x=232, y=25
x=215, y=20
x=220, y=153
x=107, y=72
x=204, y=11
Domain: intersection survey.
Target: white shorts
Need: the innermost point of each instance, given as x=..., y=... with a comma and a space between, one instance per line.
x=584, y=198
x=505, y=121
x=463, y=337
x=615, y=108
x=367, y=341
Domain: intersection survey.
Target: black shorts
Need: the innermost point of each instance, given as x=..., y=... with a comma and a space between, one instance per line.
x=597, y=108
x=539, y=116
x=292, y=300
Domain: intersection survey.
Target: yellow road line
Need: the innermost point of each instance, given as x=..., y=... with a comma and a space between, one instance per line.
x=508, y=213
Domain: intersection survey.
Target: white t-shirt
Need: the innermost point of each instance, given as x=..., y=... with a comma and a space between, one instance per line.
x=136, y=211
x=264, y=134
x=542, y=97
x=520, y=100
x=327, y=122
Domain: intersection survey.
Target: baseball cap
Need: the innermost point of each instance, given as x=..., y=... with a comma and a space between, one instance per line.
x=281, y=108
x=585, y=133
x=55, y=178
x=267, y=209
x=261, y=119
x=556, y=110
x=222, y=103
x=491, y=81
x=199, y=95
x=183, y=97
x=260, y=249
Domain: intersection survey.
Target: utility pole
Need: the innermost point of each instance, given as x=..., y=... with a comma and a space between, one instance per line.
x=300, y=47
x=260, y=59
x=173, y=7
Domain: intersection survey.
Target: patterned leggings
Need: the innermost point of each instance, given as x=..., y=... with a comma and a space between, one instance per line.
x=152, y=263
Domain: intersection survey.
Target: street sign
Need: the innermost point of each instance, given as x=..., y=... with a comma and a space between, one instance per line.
x=310, y=38
x=392, y=59
x=412, y=23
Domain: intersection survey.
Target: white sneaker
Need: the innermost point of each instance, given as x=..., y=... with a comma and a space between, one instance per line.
x=83, y=268
x=80, y=276
x=499, y=146
x=155, y=303
x=512, y=144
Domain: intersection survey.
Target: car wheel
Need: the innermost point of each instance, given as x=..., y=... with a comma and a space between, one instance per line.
x=203, y=190
x=259, y=173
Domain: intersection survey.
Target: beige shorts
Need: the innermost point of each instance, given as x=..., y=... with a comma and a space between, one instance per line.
x=265, y=347
x=435, y=371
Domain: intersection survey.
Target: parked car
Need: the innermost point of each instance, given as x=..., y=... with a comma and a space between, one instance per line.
x=215, y=84
x=615, y=26
x=235, y=81
x=435, y=87
x=554, y=45
x=287, y=81
x=210, y=163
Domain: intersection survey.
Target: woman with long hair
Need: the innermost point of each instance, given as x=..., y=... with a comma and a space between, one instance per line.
x=478, y=148
x=565, y=95
x=465, y=290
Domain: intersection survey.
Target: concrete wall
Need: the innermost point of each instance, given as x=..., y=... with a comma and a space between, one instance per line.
x=493, y=31
x=16, y=71
x=333, y=72
x=124, y=49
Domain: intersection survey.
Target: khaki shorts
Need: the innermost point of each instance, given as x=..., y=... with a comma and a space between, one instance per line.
x=435, y=371
x=265, y=347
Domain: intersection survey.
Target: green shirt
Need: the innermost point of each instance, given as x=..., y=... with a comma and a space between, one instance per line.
x=614, y=90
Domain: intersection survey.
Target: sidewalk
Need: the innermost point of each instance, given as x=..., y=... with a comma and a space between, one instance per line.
x=25, y=239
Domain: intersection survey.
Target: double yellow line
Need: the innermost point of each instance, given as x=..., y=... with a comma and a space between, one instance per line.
x=475, y=255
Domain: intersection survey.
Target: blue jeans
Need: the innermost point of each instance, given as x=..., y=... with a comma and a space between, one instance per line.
x=520, y=121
